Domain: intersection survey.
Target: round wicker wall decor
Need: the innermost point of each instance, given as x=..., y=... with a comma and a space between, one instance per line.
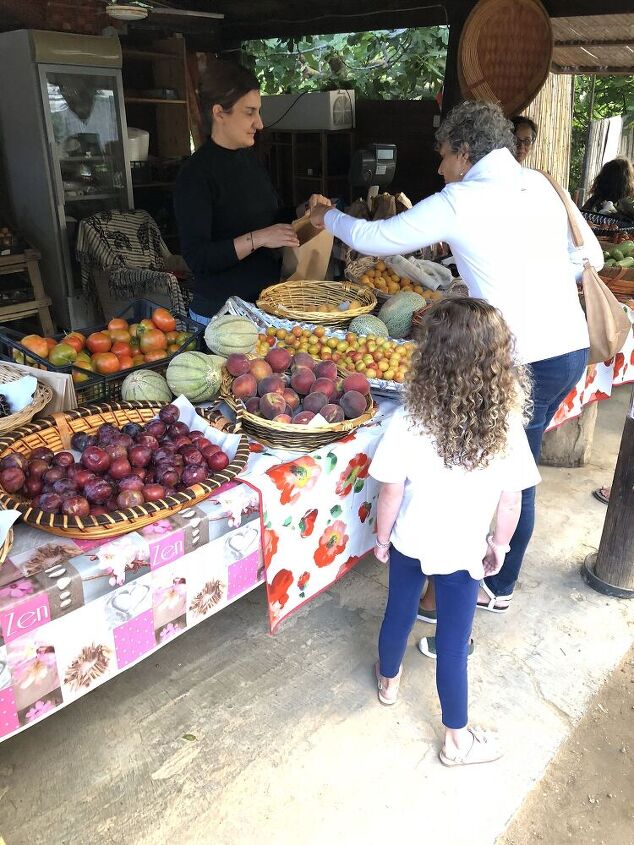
x=505, y=52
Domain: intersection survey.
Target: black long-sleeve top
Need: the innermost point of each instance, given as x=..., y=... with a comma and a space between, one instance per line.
x=219, y=195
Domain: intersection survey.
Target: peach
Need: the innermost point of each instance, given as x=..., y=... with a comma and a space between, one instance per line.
x=339, y=391
x=260, y=369
x=303, y=359
x=302, y=380
x=278, y=359
x=292, y=399
x=272, y=404
x=253, y=405
x=325, y=386
x=283, y=418
x=353, y=404
x=332, y=413
x=238, y=364
x=357, y=382
x=314, y=402
x=271, y=384
x=326, y=369
x=303, y=417
x=244, y=387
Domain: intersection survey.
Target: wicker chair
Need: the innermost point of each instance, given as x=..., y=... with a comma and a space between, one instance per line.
x=123, y=256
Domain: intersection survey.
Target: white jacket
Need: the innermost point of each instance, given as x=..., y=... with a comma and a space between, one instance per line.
x=508, y=231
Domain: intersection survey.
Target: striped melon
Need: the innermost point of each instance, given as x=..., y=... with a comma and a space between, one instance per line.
x=398, y=311
x=367, y=324
x=145, y=386
x=194, y=375
x=227, y=334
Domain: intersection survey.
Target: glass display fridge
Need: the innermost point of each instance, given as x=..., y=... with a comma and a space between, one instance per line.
x=62, y=131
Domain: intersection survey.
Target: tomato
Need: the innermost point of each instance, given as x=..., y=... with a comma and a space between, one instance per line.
x=75, y=341
x=138, y=358
x=121, y=349
x=156, y=355
x=125, y=362
x=50, y=342
x=84, y=361
x=98, y=342
x=106, y=363
x=79, y=377
x=151, y=340
x=134, y=342
x=36, y=344
x=182, y=339
x=163, y=320
x=117, y=323
x=172, y=337
x=119, y=335
x=62, y=354
x=133, y=328
x=173, y=348
x=144, y=326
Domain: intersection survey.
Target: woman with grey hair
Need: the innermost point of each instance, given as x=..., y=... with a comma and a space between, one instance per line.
x=508, y=231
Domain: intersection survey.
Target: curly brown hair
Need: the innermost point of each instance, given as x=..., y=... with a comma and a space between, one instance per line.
x=463, y=381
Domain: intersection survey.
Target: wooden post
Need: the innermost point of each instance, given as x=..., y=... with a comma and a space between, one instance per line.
x=451, y=94
x=611, y=570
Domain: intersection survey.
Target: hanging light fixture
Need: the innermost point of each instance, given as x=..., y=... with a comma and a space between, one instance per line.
x=126, y=11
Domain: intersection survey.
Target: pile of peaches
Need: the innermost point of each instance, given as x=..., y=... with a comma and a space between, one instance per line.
x=288, y=388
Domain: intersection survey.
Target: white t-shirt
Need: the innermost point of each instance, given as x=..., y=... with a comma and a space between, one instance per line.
x=447, y=511
x=508, y=231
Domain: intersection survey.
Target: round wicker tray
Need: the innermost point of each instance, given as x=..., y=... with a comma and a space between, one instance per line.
x=300, y=438
x=298, y=300
x=505, y=52
x=42, y=396
x=357, y=268
x=55, y=433
x=5, y=548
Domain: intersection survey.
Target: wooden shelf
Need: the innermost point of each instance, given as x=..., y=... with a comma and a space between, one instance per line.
x=83, y=197
x=155, y=101
x=147, y=55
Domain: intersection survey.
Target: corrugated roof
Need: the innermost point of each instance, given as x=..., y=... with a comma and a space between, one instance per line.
x=594, y=44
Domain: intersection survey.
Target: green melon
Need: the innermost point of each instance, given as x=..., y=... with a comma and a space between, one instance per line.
x=227, y=334
x=398, y=311
x=194, y=375
x=145, y=386
x=367, y=324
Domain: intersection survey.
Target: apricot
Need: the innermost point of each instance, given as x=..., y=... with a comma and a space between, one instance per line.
x=244, y=386
x=353, y=404
x=356, y=382
x=237, y=364
x=271, y=384
x=314, y=402
x=302, y=381
x=272, y=404
x=278, y=359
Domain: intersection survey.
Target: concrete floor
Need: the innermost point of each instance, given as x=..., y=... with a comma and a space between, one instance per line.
x=286, y=740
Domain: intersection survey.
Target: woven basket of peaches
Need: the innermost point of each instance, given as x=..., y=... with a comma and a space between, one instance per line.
x=290, y=400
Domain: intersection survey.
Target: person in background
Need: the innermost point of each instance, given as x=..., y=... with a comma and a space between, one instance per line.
x=614, y=182
x=525, y=131
x=497, y=215
x=458, y=445
x=230, y=220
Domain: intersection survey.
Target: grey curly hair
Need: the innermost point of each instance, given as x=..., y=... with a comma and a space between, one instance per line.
x=479, y=127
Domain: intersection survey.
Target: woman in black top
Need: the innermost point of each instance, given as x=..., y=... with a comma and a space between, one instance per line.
x=229, y=217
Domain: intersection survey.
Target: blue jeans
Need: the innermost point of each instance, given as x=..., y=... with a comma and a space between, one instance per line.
x=553, y=379
x=198, y=318
x=456, y=597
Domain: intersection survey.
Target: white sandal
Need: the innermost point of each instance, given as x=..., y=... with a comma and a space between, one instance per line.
x=492, y=605
x=483, y=749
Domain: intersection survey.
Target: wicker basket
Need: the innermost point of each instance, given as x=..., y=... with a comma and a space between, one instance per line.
x=620, y=280
x=298, y=300
x=300, y=438
x=456, y=289
x=5, y=548
x=55, y=433
x=489, y=68
x=359, y=267
x=42, y=396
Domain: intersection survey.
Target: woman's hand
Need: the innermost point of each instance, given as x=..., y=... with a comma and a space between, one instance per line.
x=493, y=560
x=273, y=237
x=382, y=554
x=317, y=213
x=318, y=199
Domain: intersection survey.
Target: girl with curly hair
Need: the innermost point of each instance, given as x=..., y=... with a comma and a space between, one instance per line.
x=614, y=182
x=509, y=234
x=458, y=445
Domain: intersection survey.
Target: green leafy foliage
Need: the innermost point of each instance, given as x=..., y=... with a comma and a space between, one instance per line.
x=403, y=64
x=613, y=96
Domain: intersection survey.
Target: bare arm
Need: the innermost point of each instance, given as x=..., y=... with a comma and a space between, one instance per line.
x=506, y=519
x=388, y=506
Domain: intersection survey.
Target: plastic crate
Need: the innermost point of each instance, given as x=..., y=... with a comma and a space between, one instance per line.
x=100, y=388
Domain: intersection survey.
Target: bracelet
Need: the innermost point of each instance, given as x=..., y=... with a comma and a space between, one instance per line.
x=252, y=244
x=499, y=546
x=382, y=545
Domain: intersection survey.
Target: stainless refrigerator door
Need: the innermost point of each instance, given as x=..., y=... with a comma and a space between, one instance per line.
x=86, y=127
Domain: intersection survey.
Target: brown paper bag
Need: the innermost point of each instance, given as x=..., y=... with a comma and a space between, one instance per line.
x=310, y=259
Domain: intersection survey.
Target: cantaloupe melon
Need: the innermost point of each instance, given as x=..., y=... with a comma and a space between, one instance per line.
x=397, y=312
x=368, y=324
x=194, y=375
x=228, y=333
x=145, y=386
